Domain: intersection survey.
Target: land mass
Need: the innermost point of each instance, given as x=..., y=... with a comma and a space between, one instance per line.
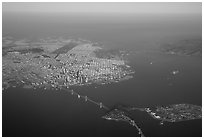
x=188, y=47
x=170, y=113
x=59, y=63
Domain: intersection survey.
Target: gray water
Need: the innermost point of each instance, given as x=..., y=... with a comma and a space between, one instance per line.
x=53, y=113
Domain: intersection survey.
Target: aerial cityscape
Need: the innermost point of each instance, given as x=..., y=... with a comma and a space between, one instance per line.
x=67, y=63
x=51, y=68
x=66, y=74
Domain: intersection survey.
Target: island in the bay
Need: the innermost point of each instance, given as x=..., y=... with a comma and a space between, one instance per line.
x=171, y=113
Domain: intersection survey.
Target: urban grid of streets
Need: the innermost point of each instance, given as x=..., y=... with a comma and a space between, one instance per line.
x=77, y=66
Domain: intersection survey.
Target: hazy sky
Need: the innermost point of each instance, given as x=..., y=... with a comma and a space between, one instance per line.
x=174, y=8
